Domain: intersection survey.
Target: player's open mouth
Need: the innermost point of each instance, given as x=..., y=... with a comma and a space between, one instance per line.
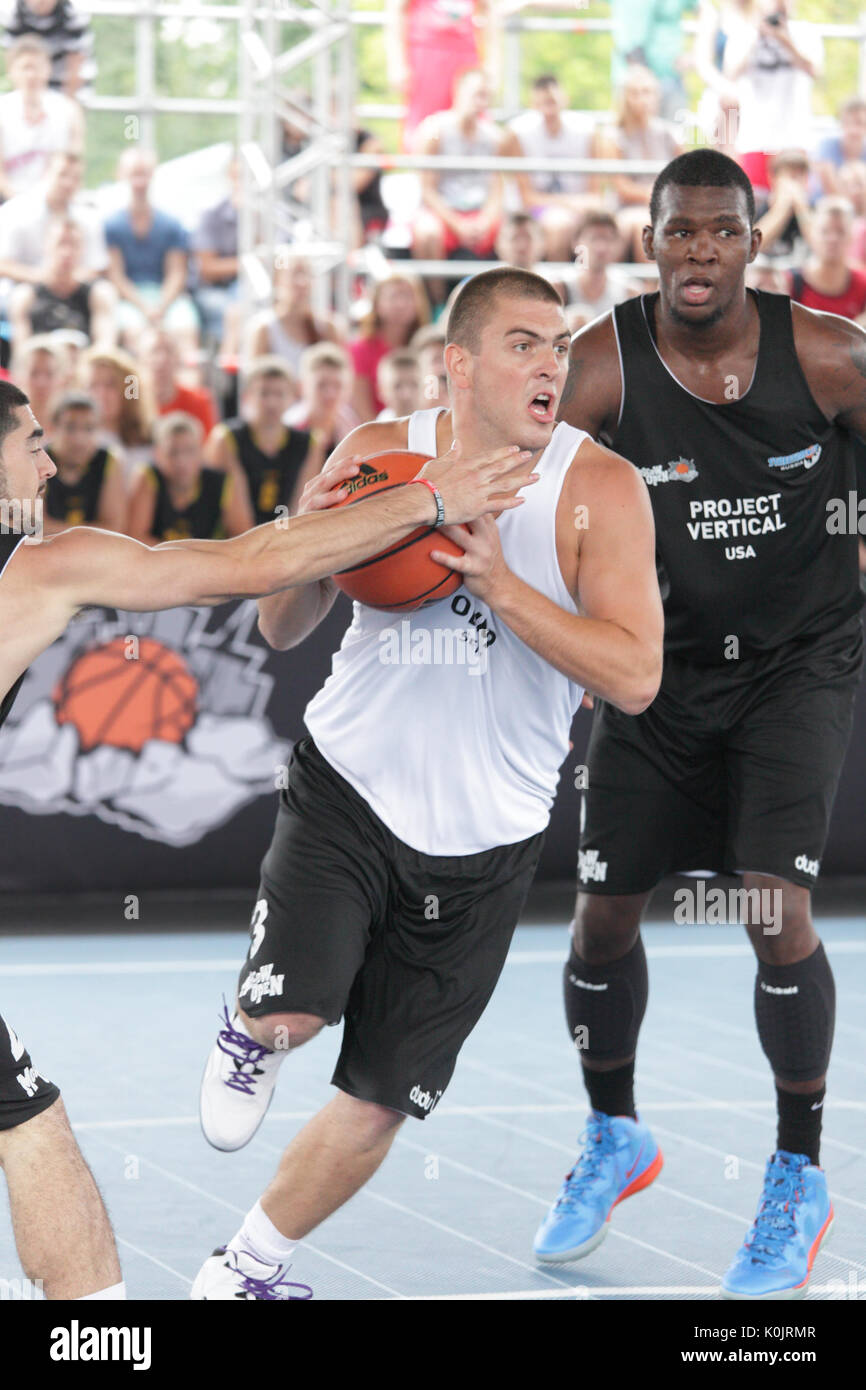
x=697, y=290
x=541, y=408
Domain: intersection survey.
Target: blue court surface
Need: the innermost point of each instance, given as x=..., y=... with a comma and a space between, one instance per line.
x=124, y=1024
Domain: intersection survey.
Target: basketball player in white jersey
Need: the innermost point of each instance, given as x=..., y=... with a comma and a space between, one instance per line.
x=412, y=823
x=62, y=1232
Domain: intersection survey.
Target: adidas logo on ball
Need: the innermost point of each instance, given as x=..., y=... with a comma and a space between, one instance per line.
x=366, y=477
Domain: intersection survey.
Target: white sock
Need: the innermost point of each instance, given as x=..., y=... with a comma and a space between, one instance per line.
x=259, y=1236
x=115, y=1291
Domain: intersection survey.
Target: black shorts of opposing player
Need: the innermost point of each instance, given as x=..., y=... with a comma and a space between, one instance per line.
x=23, y=1092
x=732, y=770
x=353, y=924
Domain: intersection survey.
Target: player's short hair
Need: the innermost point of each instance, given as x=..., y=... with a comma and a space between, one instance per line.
x=483, y=292
x=702, y=168
x=165, y=427
x=11, y=399
x=267, y=367
x=324, y=355
x=71, y=400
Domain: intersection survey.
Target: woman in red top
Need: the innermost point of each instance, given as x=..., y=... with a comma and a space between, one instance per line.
x=399, y=308
x=829, y=281
x=428, y=42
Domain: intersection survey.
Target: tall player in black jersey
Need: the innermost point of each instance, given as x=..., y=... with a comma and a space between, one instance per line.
x=734, y=405
x=61, y=1228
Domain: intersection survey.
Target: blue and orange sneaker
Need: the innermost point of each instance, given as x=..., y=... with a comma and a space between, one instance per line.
x=794, y=1218
x=619, y=1158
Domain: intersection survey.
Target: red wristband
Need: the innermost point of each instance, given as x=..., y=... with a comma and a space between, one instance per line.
x=440, y=505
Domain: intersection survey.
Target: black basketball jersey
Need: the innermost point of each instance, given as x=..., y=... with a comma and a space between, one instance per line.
x=201, y=520
x=51, y=312
x=740, y=494
x=77, y=503
x=9, y=542
x=271, y=477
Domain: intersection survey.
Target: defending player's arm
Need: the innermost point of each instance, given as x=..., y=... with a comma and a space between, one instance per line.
x=93, y=567
x=285, y=619
x=591, y=396
x=832, y=353
x=613, y=647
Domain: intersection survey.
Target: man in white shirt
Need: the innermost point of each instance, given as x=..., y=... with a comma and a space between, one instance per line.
x=549, y=131
x=26, y=219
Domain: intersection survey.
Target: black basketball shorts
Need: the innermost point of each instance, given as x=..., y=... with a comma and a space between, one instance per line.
x=731, y=769
x=23, y=1092
x=405, y=947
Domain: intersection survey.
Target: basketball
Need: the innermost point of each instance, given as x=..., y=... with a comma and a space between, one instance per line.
x=113, y=697
x=404, y=576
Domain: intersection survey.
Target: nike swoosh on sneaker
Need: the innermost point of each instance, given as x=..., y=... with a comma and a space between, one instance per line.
x=636, y=1162
x=817, y=1105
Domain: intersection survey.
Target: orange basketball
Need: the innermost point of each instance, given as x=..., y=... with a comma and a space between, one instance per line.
x=121, y=695
x=402, y=577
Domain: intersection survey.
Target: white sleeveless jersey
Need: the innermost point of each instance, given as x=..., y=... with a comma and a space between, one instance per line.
x=450, y=727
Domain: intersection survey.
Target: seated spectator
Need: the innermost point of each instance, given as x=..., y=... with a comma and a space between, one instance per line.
x=63, y=297
x=521, y=242
x=26, y=219
x=398, y=382
x=177, y=498
x=273, y=460
x=550, y=131
x=462, y=207
x=123, y=405
x=852, y=185
x=147, y=251
x=39, y=370
x=324, y=409
x=399, y=307
x=829, y=280
x=66, y=34
x=846, y=147
x=88, y=488
x=783, y=214
x=160, y=359
x=763, y=275
x=35, y=123
x=428, y=344
x=773, y=62
x=288, y=328
x=639, y=133
x=596, y=288
x=215, y=245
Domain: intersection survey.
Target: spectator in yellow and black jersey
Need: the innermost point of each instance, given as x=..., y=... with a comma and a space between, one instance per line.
x=88, y=488
x=273, y=459
x=177, y=497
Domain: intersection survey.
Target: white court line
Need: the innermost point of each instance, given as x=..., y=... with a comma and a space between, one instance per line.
x=189, y=967
x=239, y=1211
x=837, y=1289
x=147, y=1255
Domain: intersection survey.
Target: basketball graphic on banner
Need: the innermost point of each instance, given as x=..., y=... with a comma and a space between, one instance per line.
x=123, y=700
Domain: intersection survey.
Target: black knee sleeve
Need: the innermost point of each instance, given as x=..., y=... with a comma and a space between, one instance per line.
x=605, y=1004
x=795, y=1009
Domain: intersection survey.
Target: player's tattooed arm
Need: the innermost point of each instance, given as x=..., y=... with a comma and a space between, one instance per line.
x=832, y=353
x=591, y=396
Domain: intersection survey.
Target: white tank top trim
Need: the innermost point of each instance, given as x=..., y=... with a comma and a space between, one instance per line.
x=450, y=727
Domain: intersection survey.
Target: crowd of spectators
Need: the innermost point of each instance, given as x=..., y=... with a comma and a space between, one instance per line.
x=171, y=413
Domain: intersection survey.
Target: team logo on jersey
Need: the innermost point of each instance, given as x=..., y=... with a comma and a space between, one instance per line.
x=677, y=471
x=805, y=458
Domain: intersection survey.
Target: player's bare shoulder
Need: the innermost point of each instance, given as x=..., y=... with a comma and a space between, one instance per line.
x=832, y=354
x=592, y=393
x=602, y=491
x=377, y=437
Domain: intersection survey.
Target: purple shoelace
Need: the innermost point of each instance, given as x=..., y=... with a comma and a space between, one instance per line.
x=244, y=1052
